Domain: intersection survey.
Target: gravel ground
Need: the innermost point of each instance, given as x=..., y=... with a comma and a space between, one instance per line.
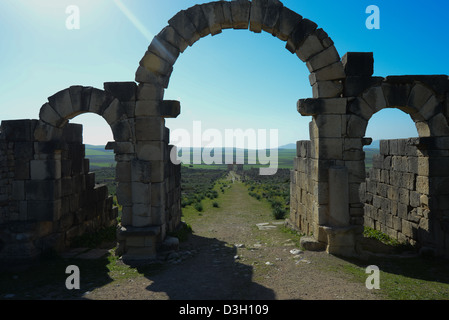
x=238, y=252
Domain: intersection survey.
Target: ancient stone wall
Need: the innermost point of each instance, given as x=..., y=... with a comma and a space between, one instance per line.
x=406, y=193
x=48, y=195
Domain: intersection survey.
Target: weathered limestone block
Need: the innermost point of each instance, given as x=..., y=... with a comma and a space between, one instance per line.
x=141, y=171
x=146, y=91
x=419, y=95
x=355, y=85
x=302, y=30
x=141, y=215
x=227, y=15
x=258, y=9
x=44, y=210
x=150, y=150
x=359, y=107
x=272, y=15
x=99, y=101
x=375, y=98
x=327, y=89
x=123, y=91
x=338, y=196
x=62, y=103
x=170, y=108
x=48, y=115
x=334, y=71
x=312, y=107
x=213, y=12
x=149, y=128
x=45, y=169
x=437, y=126
x=148, y=76
x=396, y=94
x=123, y=132
x=114, y=112
x=199, y=20
x=141, y=192
x=182, y=24
x=240, y=10
x=158, y=194
x=123, y=171
x=329, y=126
x=171, y=36
x=355, y=126
x=430, y=108
x=156, y=64
x=330, y=148
x=288, y=20
x=358, y=63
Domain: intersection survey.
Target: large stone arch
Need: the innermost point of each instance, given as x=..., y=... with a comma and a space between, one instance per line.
x=303, y=37
x=311, y=44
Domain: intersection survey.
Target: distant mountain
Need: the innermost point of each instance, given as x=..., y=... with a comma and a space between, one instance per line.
x=288, y=146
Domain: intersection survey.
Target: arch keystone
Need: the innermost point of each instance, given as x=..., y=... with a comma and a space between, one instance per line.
x=240, y=10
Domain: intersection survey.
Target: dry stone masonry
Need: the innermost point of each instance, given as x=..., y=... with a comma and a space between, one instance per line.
x=331, y=197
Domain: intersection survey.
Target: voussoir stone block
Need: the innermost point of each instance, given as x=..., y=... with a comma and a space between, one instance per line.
x=62, y=103
x=310, y=47
x=184, y=27
x=147, y=91
x=419, y=95
x=227, y=15
x=197, y=17
x=147, y=76
x=359, y=107
x=375, y=98
x=213, y=12
x=240, y=10
x=258, y=8
x=288, y=20
x=300, y=33
x=164, y=50
x=334, y=71
x=170, y=35
x=272, y=15
x=114, y=112
x=99, y=101
x=156, y=64
x=324, y=58
x=48, y=115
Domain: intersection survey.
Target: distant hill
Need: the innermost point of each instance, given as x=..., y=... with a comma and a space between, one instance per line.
x=101, y=158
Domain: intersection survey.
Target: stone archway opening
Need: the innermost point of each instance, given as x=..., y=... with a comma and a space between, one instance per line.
x=399, y=195
x=388, y=163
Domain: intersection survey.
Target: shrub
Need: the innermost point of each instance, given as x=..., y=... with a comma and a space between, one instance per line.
x=278, y=212
x=198, y=206
x=215, y=204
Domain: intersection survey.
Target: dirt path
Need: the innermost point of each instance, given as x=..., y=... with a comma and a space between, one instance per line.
x=238, y=251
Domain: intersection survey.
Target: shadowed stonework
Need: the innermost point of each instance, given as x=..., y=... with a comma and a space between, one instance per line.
x=48, y=195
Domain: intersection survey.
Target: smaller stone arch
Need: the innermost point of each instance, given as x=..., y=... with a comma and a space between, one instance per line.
x=75, y=100
x=415, y=98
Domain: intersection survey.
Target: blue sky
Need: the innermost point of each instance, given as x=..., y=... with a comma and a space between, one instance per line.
x=237, y=79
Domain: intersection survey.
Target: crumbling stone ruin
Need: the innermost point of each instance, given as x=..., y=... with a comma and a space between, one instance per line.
x=48, y=195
